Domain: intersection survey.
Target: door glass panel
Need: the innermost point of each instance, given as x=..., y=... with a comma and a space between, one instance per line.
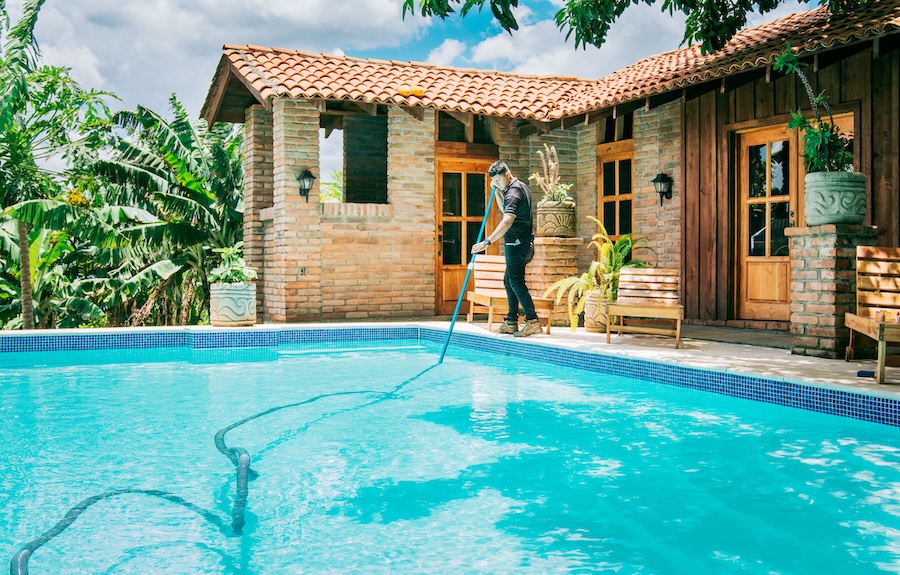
x=780, y=167
x=452, y=201
x=625, y=217
x=475, y=195
x=778, y=241
x=757, y=229
x=472, y=229
x=625, y=177
x=452, y=246
x=757, y=176
x=609, y=218
x=609, y=178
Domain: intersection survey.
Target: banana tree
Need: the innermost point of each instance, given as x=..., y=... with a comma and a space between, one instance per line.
x=190, y=179
x=46, y=120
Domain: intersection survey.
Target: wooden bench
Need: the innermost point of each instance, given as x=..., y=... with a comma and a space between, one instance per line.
x=877, y=291
x=489, y=295
x=646, y=293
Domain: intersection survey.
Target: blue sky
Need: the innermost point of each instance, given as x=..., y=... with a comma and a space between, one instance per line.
x=144, y=50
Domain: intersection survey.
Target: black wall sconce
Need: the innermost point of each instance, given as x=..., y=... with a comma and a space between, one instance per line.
x=663, y=184
x=306, y=183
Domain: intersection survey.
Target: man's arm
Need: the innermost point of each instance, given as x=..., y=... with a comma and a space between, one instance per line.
x=498, y=233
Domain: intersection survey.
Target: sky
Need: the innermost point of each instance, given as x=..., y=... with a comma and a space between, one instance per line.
x=145, y=50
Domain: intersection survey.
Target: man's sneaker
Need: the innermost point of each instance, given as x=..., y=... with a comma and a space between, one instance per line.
x=509, y=327
x=531, y=327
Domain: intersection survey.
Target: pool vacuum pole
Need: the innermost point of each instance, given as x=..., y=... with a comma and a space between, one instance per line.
x=465, y=283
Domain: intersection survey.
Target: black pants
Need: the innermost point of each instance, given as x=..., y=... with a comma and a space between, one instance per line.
x=517, y=257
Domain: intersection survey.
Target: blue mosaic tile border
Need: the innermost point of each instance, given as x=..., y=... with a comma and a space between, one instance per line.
x=92, y=341
x=832, y=401
x=824, y=400
x=199, y=339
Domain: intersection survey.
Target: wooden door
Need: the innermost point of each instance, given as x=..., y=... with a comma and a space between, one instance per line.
x=767, y=202
x=463, y=189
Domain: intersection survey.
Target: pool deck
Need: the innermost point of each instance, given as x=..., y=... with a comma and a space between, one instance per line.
x=766, y=354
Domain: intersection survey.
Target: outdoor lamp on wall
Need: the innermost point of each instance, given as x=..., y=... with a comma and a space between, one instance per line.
x=306, y=182
x=663, y=184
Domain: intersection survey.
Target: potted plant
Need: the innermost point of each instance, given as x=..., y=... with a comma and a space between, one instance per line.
x=601, y=282
x=834, y=193
x=555, y=212
x=232, y=293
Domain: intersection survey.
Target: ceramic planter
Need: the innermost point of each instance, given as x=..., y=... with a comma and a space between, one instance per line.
x=232, y=304
x=594, y=312
x=835, y=198
x=555, y=219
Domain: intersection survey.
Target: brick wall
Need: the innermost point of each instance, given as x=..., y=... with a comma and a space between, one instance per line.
x=823, y=286
x=378, y=260
x=258, y=185
x=554, y=259
x=293, y=263
x=365, y=159
x=657, y=148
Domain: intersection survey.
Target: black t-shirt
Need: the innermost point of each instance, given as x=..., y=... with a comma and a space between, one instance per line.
x=517, y=201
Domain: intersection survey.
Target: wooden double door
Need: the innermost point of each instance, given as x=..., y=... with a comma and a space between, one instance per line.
x=463, y=189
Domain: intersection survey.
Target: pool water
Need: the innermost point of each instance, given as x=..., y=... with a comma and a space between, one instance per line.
x=483, y=464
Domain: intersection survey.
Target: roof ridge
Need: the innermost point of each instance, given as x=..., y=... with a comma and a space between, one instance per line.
x=403, y=63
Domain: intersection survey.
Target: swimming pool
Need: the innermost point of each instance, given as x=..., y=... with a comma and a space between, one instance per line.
x=483, y=464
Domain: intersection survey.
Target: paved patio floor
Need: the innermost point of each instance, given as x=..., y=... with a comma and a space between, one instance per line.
x=764, y=353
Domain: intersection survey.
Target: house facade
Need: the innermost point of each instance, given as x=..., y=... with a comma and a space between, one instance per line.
x=417, y=140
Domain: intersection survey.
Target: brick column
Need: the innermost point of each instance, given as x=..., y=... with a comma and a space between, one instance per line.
x=294, y=267
x=258, y=186
x=657, y=148
x=554, y=259
x=823, y=286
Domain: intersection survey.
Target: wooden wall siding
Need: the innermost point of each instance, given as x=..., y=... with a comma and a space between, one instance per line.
x=694, y=155
x=857, y=82
x=884, y=174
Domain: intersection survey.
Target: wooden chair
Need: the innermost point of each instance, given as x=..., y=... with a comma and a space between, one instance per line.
x=647, y=294
x=877, y=292
x=489, y=295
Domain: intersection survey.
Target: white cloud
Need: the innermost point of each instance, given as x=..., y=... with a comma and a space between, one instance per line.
x=540, y=48
x=447, y=53
x=144, y=50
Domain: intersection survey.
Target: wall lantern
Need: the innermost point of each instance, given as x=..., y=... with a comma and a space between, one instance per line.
x=306, y=183
x=663, y=184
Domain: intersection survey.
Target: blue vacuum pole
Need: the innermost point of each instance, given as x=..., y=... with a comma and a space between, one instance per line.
x=465, y=283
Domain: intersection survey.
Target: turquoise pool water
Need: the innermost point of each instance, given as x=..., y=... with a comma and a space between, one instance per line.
x=478, y=465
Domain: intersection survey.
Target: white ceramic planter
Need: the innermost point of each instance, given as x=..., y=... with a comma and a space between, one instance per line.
x=232, y=304
x=834, y=198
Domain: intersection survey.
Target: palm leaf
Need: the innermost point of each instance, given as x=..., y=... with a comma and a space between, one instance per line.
x=20, y=53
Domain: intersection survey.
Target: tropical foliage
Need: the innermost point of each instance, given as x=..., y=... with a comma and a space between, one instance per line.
x=825, y=148
x=105, y=219
x=51, y=130
x=332, y=189
x=709, y=22
x=602, y=274
x=233, y=268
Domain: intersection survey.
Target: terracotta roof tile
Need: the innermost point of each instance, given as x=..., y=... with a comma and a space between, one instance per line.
x=750, y=48
x=272, y=72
